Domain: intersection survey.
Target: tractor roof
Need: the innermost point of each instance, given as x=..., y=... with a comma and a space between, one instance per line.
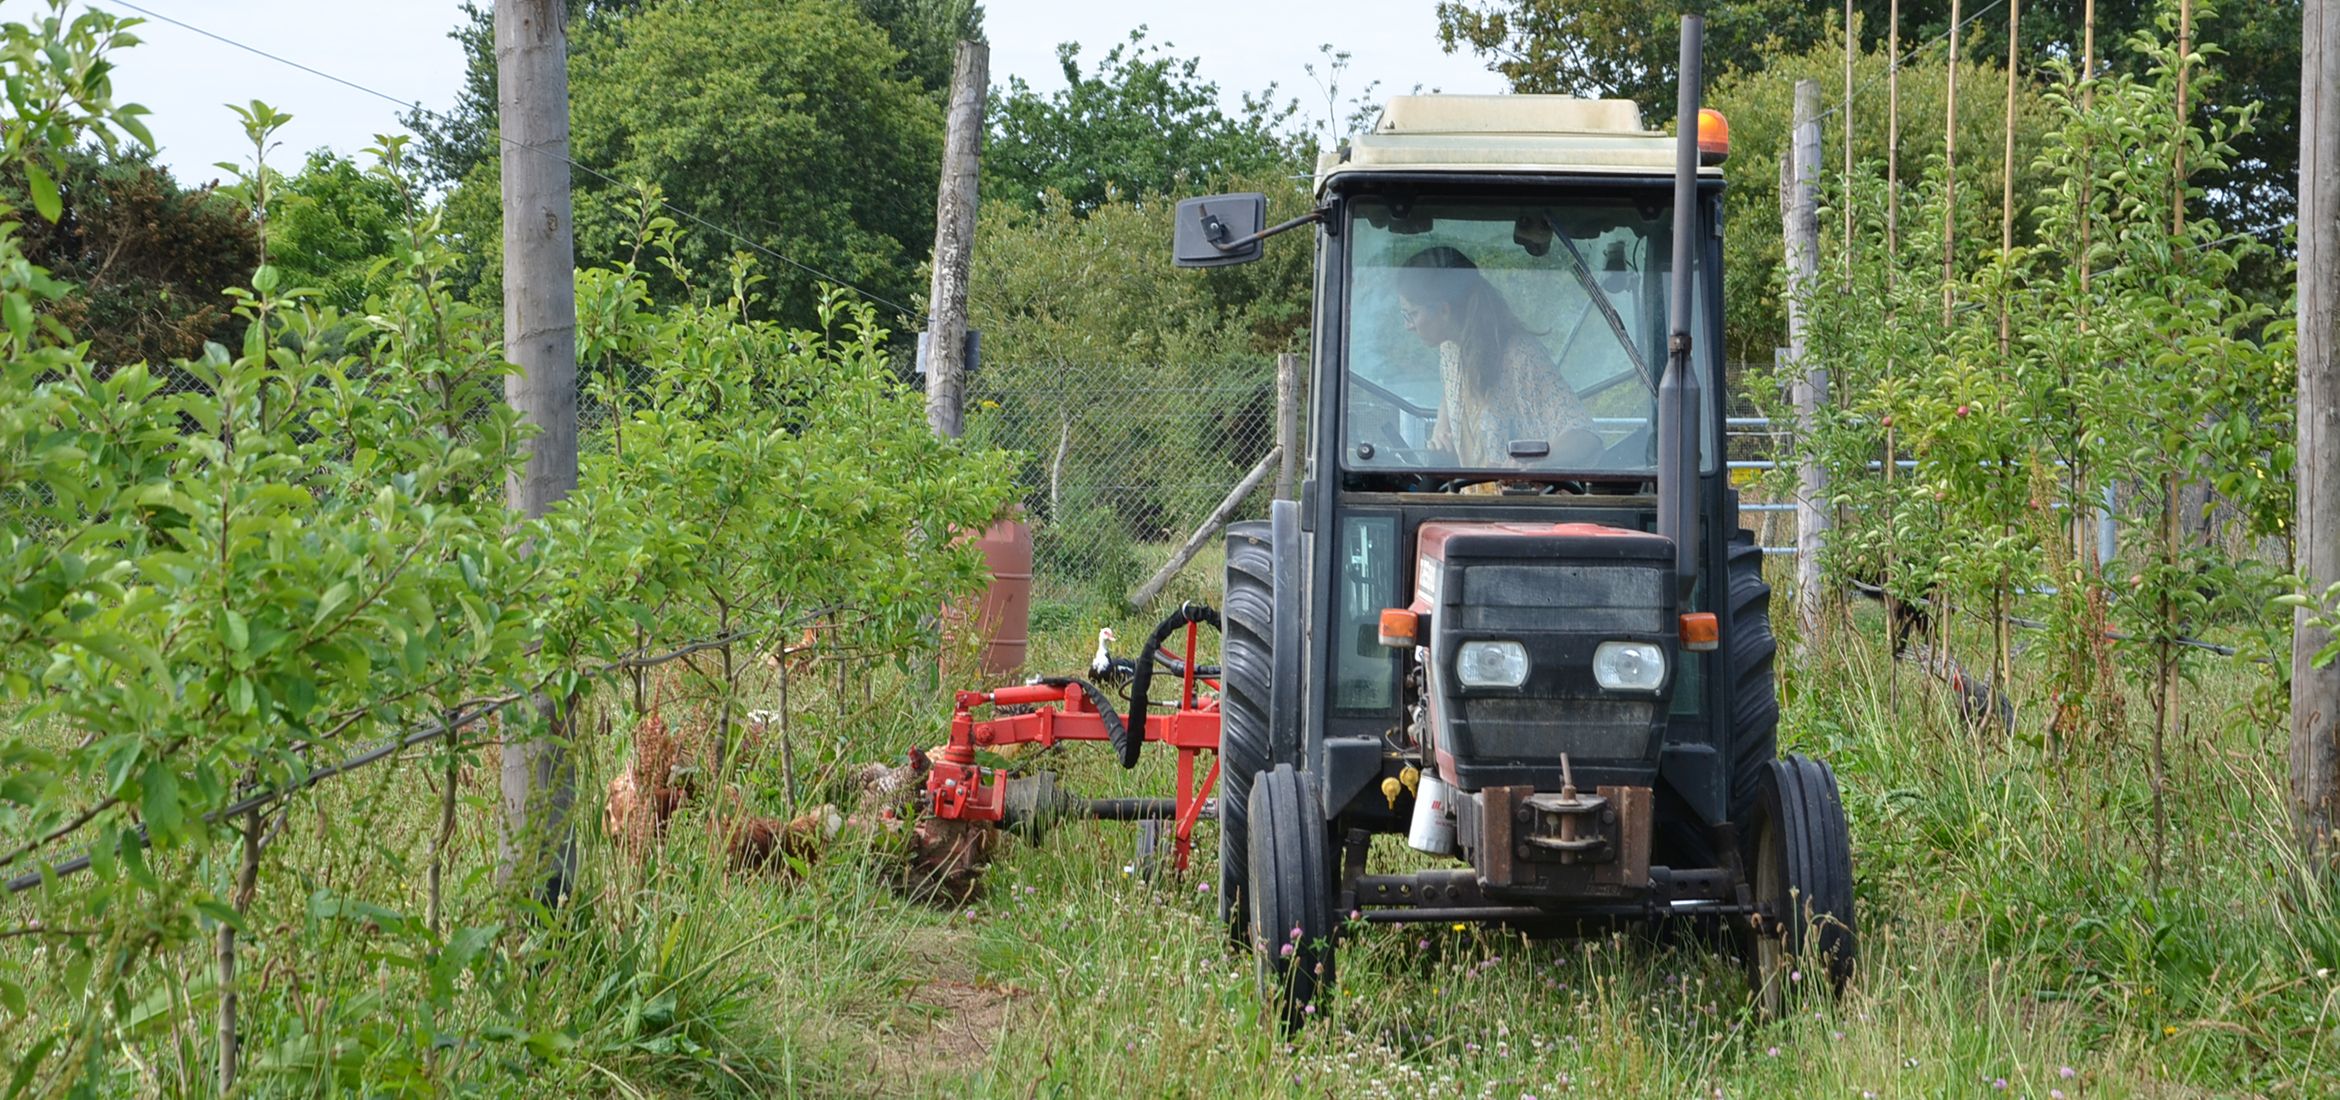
x=1504, y=134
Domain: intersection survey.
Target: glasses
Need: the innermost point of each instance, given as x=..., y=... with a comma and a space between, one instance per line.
x=1411, y=314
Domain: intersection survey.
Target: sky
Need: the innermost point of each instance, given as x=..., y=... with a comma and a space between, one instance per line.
x=400, y=48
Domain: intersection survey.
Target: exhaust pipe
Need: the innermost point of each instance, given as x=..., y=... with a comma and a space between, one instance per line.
x=1677, y=426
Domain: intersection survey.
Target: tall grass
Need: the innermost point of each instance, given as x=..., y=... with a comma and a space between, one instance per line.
x=2008, y=935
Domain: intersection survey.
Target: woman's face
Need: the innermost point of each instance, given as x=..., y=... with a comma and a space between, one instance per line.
x=1431, y=323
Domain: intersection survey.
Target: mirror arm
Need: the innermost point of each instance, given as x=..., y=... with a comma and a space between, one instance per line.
x=1213, y=229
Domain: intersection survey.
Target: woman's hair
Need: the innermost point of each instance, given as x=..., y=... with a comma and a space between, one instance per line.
x=1484, y=324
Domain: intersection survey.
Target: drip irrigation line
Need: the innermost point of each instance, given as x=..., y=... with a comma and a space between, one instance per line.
x=604, y=177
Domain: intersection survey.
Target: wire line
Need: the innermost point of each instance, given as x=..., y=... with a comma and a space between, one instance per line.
x=605, y=177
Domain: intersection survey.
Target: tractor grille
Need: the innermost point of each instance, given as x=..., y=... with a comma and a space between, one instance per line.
x=1560, y=610
x=1585, y=729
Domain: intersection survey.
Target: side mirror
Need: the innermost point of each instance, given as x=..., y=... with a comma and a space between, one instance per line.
x=1208, y=230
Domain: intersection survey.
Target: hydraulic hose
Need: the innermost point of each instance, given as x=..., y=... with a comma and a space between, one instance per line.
x=1142, y=677
x=1111, y=718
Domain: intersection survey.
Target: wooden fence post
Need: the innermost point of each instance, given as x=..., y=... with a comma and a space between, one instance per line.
x=540, y=337
x=954, y=243
x=1800, y=228
x=2315, y=693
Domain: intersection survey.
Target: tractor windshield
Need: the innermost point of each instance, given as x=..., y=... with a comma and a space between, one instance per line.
x=1506, y=335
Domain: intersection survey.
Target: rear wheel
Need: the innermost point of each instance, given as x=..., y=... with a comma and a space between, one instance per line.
x=1799, y=862
x=1246, y=659
x=1748, y=658
x=1291, y=893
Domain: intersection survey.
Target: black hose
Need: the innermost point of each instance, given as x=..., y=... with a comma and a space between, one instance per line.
x=1176, y=667
x=1143, y=676
x=1114, y=729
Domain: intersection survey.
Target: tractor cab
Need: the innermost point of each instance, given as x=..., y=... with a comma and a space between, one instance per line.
x=1512, y=616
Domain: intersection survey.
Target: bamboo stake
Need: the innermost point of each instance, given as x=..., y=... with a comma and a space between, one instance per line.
x=2007, y=168
x=1950, y=176
x=2002, y=640
x=2177, y=199
x=1892, y=260
x=1847, y=108
x=1893, y=137
x=2165, y=663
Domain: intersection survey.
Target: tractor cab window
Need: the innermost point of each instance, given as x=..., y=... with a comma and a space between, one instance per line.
x=1516, y=334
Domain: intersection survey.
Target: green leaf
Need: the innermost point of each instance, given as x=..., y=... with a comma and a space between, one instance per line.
x=332, y=600
x=44, y=191
x=22, y=1078
x=237, y=632
x=223, y=913
x=160, y=801
x=19, y=315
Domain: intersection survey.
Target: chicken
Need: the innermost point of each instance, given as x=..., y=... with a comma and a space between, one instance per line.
x=761, y=843
x=886, y=789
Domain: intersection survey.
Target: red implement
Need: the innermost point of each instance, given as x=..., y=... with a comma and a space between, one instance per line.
x=961, y=790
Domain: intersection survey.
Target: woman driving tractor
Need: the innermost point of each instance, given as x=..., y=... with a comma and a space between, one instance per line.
x=1501, y=401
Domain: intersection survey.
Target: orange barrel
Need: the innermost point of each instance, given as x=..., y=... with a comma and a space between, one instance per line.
x=1004, y=619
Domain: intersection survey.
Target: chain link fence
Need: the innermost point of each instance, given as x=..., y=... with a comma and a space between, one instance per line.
x=1119, y=463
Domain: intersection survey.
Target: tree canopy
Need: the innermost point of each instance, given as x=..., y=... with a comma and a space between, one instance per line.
x=791, y=125
x=147, y=257
x=1627, y=48
x=1143, y=121
x=329, y=226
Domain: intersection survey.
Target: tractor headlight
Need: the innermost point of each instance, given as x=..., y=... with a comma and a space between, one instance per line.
x=1491, y=664
x=1627, y=666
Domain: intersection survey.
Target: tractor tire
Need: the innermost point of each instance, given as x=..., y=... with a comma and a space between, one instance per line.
x=1292, y=880
x=1799, y=862
x=1747, y=657
x=1246, y=660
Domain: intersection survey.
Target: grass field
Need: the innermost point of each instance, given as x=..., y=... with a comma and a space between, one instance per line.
x=2011, y=945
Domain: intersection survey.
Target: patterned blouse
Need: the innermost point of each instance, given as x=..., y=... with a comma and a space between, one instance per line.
x=1527, y=401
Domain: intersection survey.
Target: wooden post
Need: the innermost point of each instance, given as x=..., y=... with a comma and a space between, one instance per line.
x=1288, y=424
x=1144, y=594
x=1799, y=203
x=2315, y=693
x=540, y=336
x=954, y=243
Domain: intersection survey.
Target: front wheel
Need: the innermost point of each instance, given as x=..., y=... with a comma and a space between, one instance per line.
x=1799, y=861
x=1291, y=892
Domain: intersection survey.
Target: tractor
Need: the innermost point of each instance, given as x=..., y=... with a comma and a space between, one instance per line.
x=1512, y=616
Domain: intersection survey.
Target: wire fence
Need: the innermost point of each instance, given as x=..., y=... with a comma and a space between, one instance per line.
x=1119, y=463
